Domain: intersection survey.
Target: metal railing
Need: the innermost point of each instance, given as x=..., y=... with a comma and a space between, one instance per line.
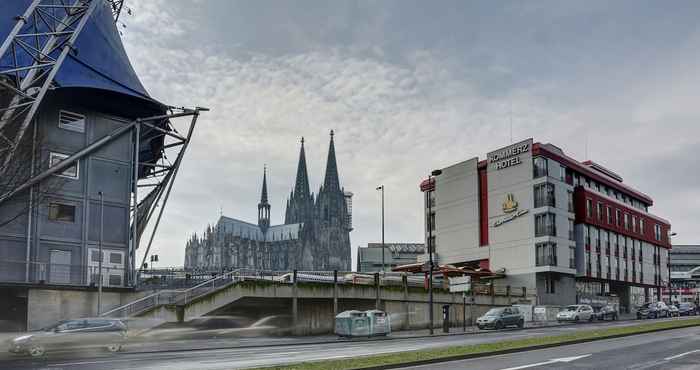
x=224, y=279
x=60, y=274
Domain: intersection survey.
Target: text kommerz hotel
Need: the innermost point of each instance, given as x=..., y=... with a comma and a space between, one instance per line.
x=563, y=229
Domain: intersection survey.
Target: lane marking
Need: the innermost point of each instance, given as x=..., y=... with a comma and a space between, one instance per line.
x=552, y=361
x=681, y=355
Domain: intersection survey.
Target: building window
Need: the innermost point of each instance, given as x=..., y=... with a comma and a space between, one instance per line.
x=596, y=239
x=549, y=284
x=545, y=224
x=618, y=217
x=539, y=167
x=115, y=258
x=587, y=235
x=641, y=226
x=589, y=208
x=546, y=254
x=627, y=221
x=544, y=195
x=572, y=257
x=606, y=241
x=61, y=212
x=562, y=173
x=70, y=172
x=657, y=232
x=95, y=256
x=599, y=211
x=571, y=229
x=608, y=214
x=71, y=121
x=570, y=199
x=431, y=221
x=634, y=224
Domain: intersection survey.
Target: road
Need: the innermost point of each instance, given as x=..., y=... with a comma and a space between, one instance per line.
x=674, y=349
x=134, y=357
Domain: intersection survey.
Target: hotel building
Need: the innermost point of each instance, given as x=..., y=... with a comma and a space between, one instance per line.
x=566, y=230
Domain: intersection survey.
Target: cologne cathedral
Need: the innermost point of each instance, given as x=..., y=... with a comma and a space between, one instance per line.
x=315, y=235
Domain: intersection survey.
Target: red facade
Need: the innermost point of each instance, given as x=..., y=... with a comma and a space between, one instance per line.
x=581, y=195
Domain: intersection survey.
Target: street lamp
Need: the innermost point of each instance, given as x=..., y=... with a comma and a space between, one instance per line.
x=430, y=245
x=668, y=265
x=381, y=187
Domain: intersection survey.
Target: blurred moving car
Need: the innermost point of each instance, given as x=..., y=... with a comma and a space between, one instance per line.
x=687, y=309
x=499, y=318
x=607, y=312
x=673, y=311
x=69, y=334
x=576, y=312
x=652, y=310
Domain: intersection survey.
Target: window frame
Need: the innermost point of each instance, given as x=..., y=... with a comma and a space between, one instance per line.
x=62, y=157
x=69, y=127
x=55, y=204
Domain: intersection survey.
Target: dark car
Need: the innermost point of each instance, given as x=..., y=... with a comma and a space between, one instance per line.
x=687, y=309
x=72, y=334
x=652, y=310
x=499, y=318
x=607, y=312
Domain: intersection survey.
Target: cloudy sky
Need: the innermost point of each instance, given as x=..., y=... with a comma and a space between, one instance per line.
x=409, y=86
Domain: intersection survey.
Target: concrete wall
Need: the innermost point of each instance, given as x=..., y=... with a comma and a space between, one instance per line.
x=47, y=306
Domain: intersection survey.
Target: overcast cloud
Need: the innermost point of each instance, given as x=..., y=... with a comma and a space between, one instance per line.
x=413, y=85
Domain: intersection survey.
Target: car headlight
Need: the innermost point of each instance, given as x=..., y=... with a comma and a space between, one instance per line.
x=22, y=338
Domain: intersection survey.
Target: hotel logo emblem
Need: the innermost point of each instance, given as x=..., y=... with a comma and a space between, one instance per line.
x=510, y=204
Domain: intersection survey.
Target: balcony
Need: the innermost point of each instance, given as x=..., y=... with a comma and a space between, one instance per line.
x=547, y=261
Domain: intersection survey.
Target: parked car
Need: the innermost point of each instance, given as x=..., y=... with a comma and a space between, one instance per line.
x=673, y=311
x=607, y=312
x=70, y=334
x=652, y=310
x=499, y=318
x=577, y=312
x=687, y=309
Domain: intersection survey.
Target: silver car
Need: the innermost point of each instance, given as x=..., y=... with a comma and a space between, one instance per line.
x=67, y=334
x=577, y=312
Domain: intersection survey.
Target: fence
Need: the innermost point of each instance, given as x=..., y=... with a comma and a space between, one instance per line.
x=60, y=274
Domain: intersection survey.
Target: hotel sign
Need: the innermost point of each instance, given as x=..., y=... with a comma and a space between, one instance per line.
x=510, y=156
x=510, y=206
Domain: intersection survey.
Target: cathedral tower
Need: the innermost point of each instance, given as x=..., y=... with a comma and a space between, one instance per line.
x=264, y=206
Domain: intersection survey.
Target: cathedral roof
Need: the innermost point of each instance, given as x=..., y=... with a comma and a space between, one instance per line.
x=251, y=231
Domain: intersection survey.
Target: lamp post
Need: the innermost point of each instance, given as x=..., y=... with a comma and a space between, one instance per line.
x=381, y=187
x=99, y=283
x=431, y=246
x=668, y=266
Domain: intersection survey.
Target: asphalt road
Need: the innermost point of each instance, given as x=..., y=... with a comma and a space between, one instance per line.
x=674, y=349
x=242, y=357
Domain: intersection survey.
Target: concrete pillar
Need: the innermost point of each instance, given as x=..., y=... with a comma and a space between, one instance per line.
x=376, y=289
x=406, y=310
x=335, y=292
x=295, y=307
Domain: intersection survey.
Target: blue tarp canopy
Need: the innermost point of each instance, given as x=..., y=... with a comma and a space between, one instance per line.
x=99, y=60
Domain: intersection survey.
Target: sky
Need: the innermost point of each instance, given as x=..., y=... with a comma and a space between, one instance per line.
x=410, y=86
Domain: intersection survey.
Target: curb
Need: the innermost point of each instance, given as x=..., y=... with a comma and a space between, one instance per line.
x=514, y=350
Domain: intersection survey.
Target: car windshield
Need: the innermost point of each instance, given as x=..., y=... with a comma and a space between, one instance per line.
x=571, y=308
x=54, y=326
x=494, y=312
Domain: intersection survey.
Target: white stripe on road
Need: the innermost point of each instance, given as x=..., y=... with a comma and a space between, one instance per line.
x=553, y=361
x=681, y=355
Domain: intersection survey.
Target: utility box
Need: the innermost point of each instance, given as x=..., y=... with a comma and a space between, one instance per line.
x=379, y=322
x=352, y=324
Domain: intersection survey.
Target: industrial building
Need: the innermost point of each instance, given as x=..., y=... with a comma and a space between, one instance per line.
x=568, y=231
x=82, y=168
x=384, y=257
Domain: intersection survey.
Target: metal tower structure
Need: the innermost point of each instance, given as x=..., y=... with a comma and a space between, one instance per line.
x=43, y=51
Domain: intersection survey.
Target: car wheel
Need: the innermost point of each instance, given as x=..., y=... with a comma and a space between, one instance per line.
x=590, y=318
x=36, y=350
x=614, y=317
x=652, y=315
x=480, y=327
x=114, y=347
x=499, y=325
x=576, y=318
x=521, y=324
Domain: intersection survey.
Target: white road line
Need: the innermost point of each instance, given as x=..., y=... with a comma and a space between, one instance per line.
x=553, y=361
x=681, y=355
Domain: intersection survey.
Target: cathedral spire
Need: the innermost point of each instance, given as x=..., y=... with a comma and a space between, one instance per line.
x=301, y=187
x=331, y=181
x=264, y=206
